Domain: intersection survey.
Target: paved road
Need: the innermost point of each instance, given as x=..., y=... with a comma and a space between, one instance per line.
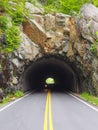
x=42, y=111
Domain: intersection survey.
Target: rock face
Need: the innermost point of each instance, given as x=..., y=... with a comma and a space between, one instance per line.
x=28, y=49
x=57, y=34
x=35, y=32
x=1, y=95
x=33, y=9
x=88, y=22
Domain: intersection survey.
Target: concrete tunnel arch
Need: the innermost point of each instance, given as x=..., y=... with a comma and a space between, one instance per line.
x=37, y=72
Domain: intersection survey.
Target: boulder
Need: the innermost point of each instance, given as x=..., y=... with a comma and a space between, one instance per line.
x=14, y=81
x=28, y=49
x=34, y=31
x=15, y=61
x=87, y=22
x=34, y=9
x=39, y=19
x=60, y=19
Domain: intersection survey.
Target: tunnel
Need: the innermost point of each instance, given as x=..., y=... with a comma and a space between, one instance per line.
x=49, y=67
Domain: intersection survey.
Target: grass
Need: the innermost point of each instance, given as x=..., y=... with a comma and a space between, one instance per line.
x=90, y=98
x=11, y=97
x=68, y=7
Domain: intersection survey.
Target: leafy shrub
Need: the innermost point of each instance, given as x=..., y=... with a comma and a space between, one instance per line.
x=11, y=97
x=66, y=6
x=90, y=98
x=96, y=2
x=9, y=32
x=18, y=94
x=12, y=39
x=4, y=22
x=18, y=15
x=94, y=46
x=15, y=8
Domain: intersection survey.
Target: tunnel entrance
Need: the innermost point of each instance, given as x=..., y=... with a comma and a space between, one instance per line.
x=55, y=68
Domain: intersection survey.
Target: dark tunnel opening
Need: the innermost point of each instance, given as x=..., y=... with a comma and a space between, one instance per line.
x=36, y=74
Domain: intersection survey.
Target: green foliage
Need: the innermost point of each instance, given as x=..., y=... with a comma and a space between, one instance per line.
x=94, y=46
x=32, y=1
x=5, y=100
x=12, y=39
x=18, y=15
x=65, y=6
x=15, y=9
x=90, y=98
x=11, y=97
x=13, y=15
x=18, y=94
x=4, y=22
x=96, y=2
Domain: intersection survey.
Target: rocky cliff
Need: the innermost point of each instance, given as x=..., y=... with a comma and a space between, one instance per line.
x=55, y=34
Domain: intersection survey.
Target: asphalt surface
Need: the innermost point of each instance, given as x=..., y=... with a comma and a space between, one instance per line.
x=67, y=113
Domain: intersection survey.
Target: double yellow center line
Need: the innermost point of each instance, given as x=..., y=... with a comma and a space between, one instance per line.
x=48, y=124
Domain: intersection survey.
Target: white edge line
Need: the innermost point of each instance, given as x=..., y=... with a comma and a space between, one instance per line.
x=13, y=102
x=87, y=104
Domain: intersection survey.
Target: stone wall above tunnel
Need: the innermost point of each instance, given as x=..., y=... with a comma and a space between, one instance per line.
x=56, y=34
